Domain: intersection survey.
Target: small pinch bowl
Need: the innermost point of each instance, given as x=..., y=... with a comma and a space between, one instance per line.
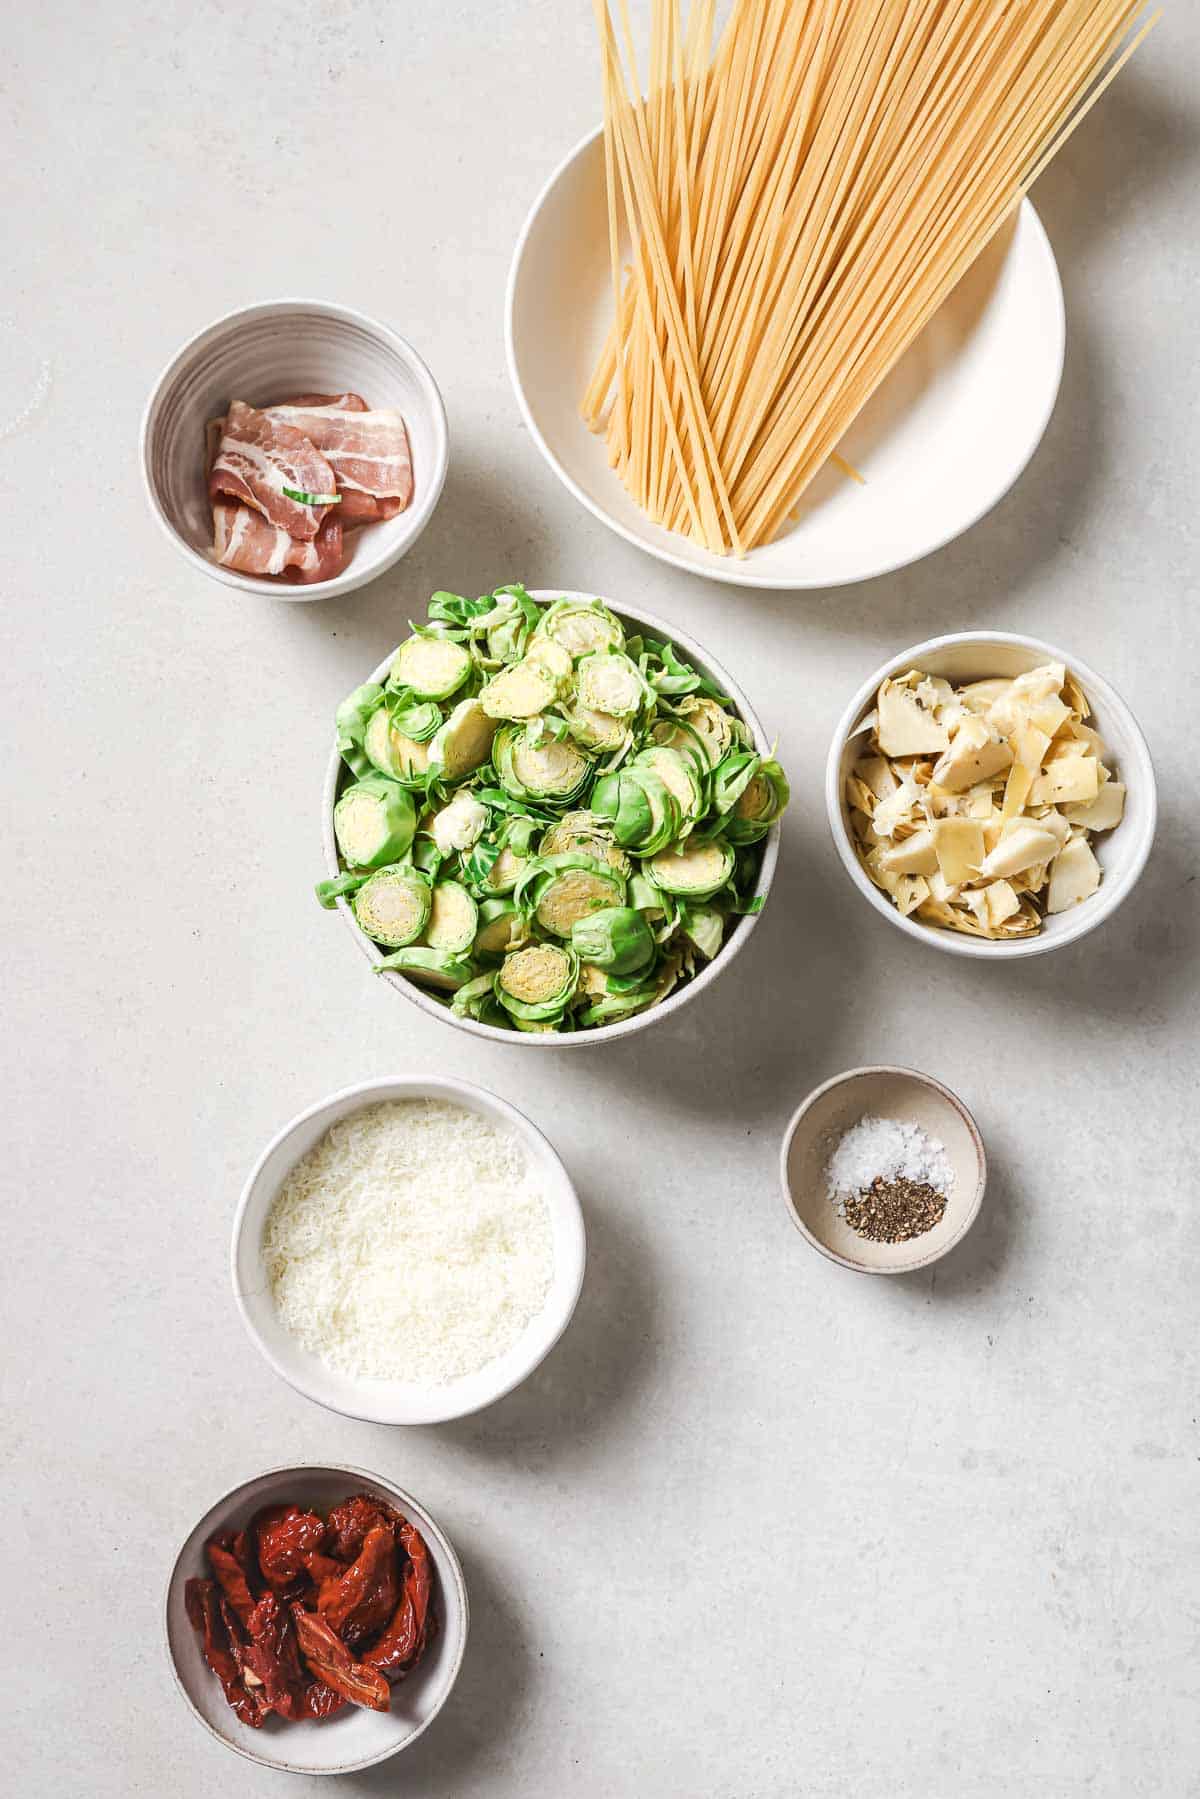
x=261, y=354
x=634, y=618
x=388, y=1401
x=829, y=1111
x=354, y=1738
x=1122, y=853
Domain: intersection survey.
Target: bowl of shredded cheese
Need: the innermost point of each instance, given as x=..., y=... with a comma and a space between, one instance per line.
x=408, y=1250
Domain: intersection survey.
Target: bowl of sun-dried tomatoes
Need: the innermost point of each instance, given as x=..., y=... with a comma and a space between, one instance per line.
x=316, y=1619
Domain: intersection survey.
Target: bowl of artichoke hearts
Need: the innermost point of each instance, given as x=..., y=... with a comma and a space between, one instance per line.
x=549, y=819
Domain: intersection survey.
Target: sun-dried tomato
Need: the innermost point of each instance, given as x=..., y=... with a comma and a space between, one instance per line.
x=283, y=1536
x=231, y=1578
x=273, y=1657
x=330, y=1661
x=350, y=1521
x=202, y=1602
x=364, y=1597
x=403, y=1641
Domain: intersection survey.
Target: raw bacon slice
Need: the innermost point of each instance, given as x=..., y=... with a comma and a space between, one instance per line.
x=367, y=450
x=245, y=540
x=260, y=454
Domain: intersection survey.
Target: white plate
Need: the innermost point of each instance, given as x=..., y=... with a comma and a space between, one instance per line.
x=394, y=1401
x=354, y=1738
x=942, y=440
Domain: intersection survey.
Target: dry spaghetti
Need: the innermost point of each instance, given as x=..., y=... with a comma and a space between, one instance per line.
x=800, y=202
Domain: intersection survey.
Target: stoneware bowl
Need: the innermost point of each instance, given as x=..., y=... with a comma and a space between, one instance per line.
x=353, y=1738
x=993, y=351
x=261, y=354
x=386, y=1401
x=1121, y=853
x=634, y=619
x=813, y=1134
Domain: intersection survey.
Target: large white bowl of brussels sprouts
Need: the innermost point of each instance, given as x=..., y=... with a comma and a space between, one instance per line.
x=548, y=819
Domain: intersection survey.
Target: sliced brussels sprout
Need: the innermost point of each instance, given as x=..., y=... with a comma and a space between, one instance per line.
x=393, y=753
x=611, y=683
x=595, y=730
x=642, y=811
x=453, y=918
x=716, y=730
x=675, y=734
x=588, y=832
x=538, y=768
x=536, y=984
x=374, y=822
x=393, y=906
x=330, y=892
x=352, y=722
x=705, y=927
x=520, y=692
x=501, y=927
x=559, y=890
x=431, y=967
x=678, y=775
x=514, y=853
x=617, y=939
x=582, y=627
x=463, y=743
x=616, y=1006
x=553, y=658
x=592, y=982
x=433, y=667
x=761, y=802
x=459, y=824
x=477, y=999
x=693, y=870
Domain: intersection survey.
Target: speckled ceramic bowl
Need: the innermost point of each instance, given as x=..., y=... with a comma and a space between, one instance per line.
x=831, y=1110
x=262, y=354
x=354, y=1738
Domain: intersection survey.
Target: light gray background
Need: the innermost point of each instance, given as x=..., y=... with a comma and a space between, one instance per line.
x=759, y=1527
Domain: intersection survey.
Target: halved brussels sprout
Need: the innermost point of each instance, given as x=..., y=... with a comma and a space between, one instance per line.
x=535, y=984
x=675, y=734
x=477, y=999
x=587, y=832
x=501, y=927
x=715, y=729
x=431, y=967
x=453, y=918
x=374, y=822
x=514, y=853
x=616, y=1006
x=611, y=683
x=617, y=939
x=559, y=890
x=393, y=906
x=520, y=692
x=432, y=667
x=581, y=627
x=760, y=803
x=595, y=730
x=392, y=753
x=351, y=723
x=463, y=743
x=678, y=775
x=643, y=813
x=553, y=658
x=693, y=870
x=538, y=768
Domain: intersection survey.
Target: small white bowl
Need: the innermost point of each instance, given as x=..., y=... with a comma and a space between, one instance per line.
x=262, y=354
x=993, y=352
x=1121, y=853
x=386, y=1401
x=353, y=1738
x=691, y=651
x=831, y=1110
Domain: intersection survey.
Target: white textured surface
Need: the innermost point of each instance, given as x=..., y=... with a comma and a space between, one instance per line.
x=758, y=1527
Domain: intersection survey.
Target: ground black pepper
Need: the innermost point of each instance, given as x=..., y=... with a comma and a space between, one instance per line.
x=892, y=1211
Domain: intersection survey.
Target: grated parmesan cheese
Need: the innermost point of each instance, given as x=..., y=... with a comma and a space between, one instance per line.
x=413, y=1242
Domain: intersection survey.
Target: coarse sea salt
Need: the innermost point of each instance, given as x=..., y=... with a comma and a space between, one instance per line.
x=886, y=1147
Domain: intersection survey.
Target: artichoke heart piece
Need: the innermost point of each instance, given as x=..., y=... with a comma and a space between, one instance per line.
x=462, y=744
x=374, y=822
x=453, y=918
x=432, y=667
x=693, y=870
x=913, y=855
x=1104, y=812
x=393, y=906
x=1074, y=876
x=958, y=846
x=975, y=754
x=1023, y=847
x=1069, y=778
x=906, y=727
